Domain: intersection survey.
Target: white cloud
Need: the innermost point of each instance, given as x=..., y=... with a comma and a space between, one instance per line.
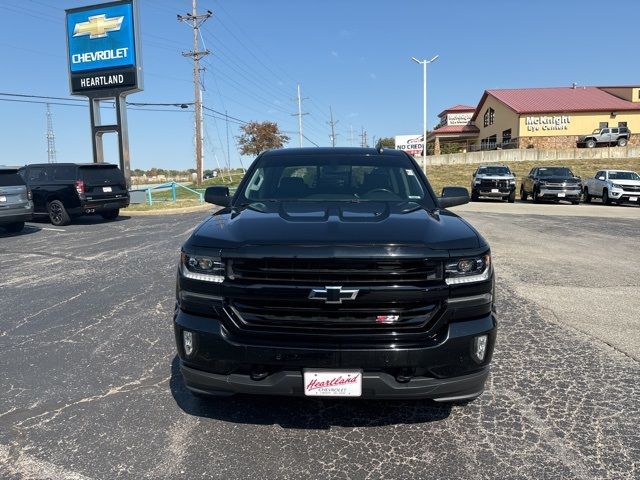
x=334, y=53
x=373, y=76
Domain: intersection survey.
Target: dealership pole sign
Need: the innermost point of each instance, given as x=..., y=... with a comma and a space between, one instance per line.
x=104, y=63
x=103, y=51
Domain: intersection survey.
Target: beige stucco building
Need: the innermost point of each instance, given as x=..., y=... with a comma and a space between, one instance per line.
x=553, y=117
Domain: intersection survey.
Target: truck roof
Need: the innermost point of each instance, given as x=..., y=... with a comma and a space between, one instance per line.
x=333, y=151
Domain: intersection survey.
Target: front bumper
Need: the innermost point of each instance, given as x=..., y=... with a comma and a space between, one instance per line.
x=624, y=196
x=569, y=194
x=445, y=371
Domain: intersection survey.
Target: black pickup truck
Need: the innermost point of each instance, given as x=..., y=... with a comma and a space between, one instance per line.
x=336, y=272
x=67, y=190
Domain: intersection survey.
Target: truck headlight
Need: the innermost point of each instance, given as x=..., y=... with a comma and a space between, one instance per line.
x=476, y=182
x=203, y=268
x=512, y=182
x=468, y=270
x=615, y=185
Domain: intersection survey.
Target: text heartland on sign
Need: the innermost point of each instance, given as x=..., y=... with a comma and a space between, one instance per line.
x=334, y=382
x=102, y=81
x=89, y=57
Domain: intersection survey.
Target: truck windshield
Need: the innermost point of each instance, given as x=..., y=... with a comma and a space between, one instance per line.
x=334, y=178
x=623, y=176
x=494, y=171
x=555, y=172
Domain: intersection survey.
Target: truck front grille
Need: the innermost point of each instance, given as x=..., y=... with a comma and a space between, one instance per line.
x=486, y=183
x=298, y=317
x=328, y=271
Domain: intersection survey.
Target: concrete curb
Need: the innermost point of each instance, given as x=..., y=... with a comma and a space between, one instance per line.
x=168, y=211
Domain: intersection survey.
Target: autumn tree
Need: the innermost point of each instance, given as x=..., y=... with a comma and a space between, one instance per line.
x=258, y=137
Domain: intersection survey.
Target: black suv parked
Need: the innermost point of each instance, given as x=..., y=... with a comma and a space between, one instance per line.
x=336, y=272
x=66, y=190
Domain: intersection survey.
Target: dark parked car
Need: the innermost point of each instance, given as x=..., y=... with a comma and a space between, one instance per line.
x=16, y=206
x=67, y=190
x=336, y=272
x=551, y=183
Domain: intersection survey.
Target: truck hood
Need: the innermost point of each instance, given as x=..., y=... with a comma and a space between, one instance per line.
x=335, y=223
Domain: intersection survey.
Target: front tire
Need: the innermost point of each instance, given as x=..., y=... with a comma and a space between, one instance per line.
x=523, y=194
x=14, y=227
x=591, y=143
x=605, y=197
x=110, y=214
x=585, y=196
x=474, y=195
x=535, y=196
x=58, y=215
x=512, y=197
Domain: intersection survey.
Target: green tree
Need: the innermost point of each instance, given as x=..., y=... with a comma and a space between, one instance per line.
x=258, y=137
x=386, y=142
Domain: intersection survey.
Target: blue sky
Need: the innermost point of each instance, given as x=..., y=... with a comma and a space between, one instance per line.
x=351, y=55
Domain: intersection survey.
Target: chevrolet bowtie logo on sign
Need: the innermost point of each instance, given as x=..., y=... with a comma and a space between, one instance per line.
x=333, y=294
x=98, y=26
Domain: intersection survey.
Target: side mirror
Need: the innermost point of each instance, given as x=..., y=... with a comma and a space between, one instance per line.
x=600, y=178
x=217, y=196
x=452, y=196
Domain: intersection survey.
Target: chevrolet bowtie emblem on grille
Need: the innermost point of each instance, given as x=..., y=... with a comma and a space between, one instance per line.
x=333, y=294
x=97, y=26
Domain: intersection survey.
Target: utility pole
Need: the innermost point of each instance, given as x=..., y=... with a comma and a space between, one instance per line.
x=332, y=124
x=195, y=21
x=226, y=117
x=424, y=64
x=299, y=115
x=51, y=138
x=363, y=138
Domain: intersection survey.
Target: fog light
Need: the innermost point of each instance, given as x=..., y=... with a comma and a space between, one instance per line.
x=187, y=340
x=480, y=347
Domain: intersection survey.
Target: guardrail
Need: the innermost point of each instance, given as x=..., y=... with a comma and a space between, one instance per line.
x=172, y=186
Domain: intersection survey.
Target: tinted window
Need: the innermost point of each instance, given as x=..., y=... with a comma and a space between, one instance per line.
x=555, y=172
x=494, y=171
x=10, y=178
x=338, y=178
x=623, y=176
x=38, y=175
x=111, y=174
x=64, y=172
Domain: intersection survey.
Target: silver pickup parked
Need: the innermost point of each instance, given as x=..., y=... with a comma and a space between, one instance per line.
x=613, y=186
x=16, y=205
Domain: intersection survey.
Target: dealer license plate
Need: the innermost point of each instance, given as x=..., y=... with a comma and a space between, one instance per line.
x=3, y=198
x=633, y=199
x=494, y=190
x=338, y=383
x=561, y=195
x=107, y=189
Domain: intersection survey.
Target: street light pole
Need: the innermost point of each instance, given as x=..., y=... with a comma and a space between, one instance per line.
x=424, y=64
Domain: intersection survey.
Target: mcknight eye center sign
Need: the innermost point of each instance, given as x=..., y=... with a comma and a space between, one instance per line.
x=102, y=48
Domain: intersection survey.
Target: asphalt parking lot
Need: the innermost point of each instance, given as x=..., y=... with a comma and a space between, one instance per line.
x=90, y=387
